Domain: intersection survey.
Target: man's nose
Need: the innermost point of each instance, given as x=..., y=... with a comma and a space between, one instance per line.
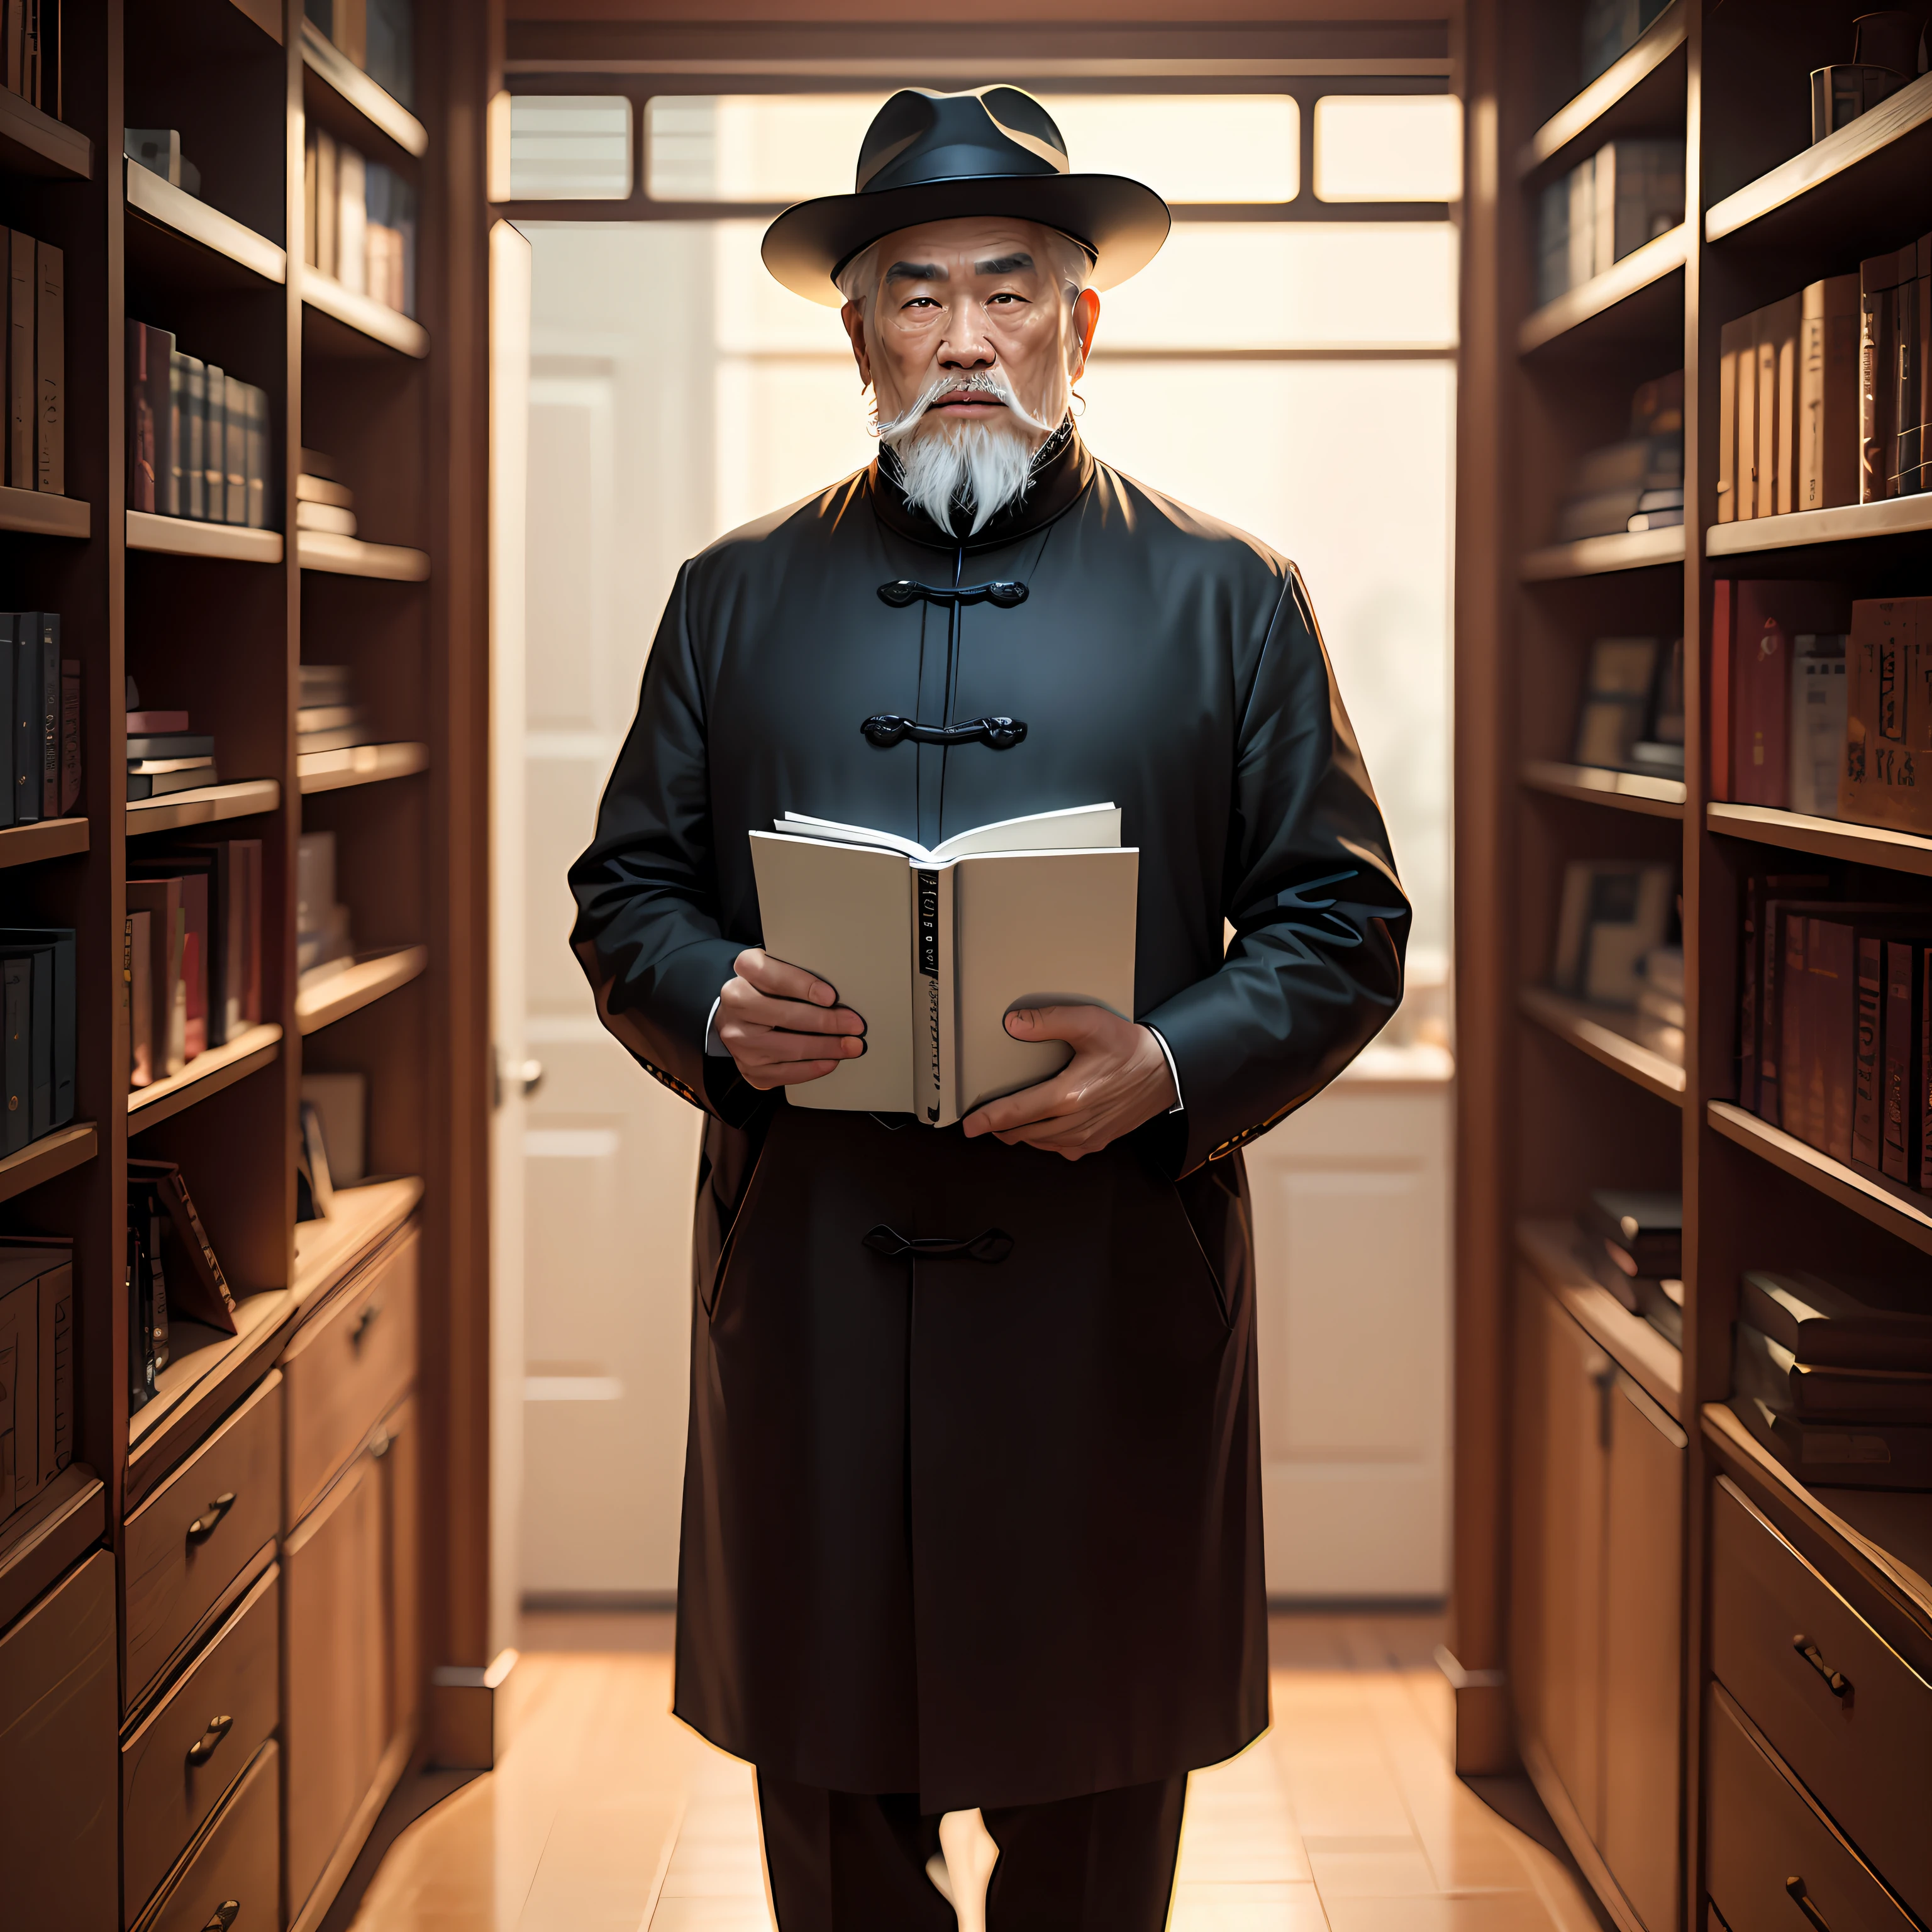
x=967, y=345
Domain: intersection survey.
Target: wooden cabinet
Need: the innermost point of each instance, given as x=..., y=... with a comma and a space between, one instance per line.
x=1597, y=1617
x=397, y=1449
x=232, y=1877
x=59, y=1710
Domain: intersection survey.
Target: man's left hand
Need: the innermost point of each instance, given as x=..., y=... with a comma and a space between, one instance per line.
x=1118, y=1078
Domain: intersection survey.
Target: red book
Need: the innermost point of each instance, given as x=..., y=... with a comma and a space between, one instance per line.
x=1868, y=1073
x=1830, y=1029
x=1767, y=615
x=1899, y=1150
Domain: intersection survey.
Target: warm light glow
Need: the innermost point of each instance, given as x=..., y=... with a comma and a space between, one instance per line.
x=570, y=147
x=1388, y=147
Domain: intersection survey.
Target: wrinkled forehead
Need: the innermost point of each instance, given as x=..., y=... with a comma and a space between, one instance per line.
x=967, y=246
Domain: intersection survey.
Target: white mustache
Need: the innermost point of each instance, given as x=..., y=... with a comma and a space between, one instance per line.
x=981, y=383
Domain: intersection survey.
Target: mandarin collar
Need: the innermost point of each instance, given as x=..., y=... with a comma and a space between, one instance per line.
x=1056, y=486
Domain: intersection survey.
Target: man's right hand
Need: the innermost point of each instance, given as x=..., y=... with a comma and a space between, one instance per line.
x=783, y=1025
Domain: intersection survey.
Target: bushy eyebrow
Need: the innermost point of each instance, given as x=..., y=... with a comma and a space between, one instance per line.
x=915, y=272
x=1004, y=265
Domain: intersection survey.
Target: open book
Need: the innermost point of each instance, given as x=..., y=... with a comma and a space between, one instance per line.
x=933, y=949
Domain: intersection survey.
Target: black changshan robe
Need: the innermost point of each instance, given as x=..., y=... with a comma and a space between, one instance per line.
x=989, y=1532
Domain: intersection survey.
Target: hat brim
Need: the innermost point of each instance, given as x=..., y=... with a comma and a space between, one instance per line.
x=1123, y=223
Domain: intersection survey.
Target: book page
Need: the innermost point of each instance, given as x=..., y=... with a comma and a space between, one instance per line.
x=1085, y=826
x=1033, y=929
x=801, y=825
x=845, y=912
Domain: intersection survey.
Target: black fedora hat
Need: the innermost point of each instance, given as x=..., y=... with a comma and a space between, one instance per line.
x=931, y=157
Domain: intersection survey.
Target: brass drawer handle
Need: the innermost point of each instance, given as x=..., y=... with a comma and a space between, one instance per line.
x=1802, y=1899
x=206, y=1525
x=363, y=1322
x=226, y=1914
x=203, y=1748
x=1836, y=1682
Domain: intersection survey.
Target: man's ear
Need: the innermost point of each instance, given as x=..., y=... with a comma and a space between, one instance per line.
x=1086, y=320
x=854, y=317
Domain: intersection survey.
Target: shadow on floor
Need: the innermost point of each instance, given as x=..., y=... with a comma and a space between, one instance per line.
x=420, y=1792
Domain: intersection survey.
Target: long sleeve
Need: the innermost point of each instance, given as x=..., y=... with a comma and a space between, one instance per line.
x=1321, y=922
x=648, y=932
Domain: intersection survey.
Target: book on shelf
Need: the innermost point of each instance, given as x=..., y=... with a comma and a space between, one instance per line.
x=1885, y=776
x=1843, y=1321
x=1762, y=889
x=204, y=905
x=1634, y=485
x=37, y=1365
x=1631, y=717
x=1894, y=317
x=1827, y=1455
x=198, y=1288
x=379, y=36
x=1777, y=1376
x=1629, y=192
x=1755, y=623
x=21, y=393
x=36, y=364
x=41, y=1031
x=1613, y=912
x=1816, y=728
x=934, y=948
x=341, y=1103
x=315, y=1188
x=198, y=438
x=361, y=230
x=148, y=1314
x=137, y=997
x=1642, y=1231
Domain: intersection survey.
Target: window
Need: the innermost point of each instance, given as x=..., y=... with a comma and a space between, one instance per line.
x=570, y=147
x=1388, y=147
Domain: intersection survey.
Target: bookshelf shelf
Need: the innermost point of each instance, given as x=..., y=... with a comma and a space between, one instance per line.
x=1828, y=838
x=373, y=102
x=1549, y=1247
x=1849, y=193
x=1898, y=1211
x=358, y=765
x=1601, y=1032
x=190, y=217
x=1642, y=92
x=202, y=806
x=32, y=142
x=1624, y=791
x=357, y=986
x=66, y=1519
x=206, y=1371
x=1848, y=523
x=350, y=556
x=1890, y=1529
x=1639, y=298
x=51, y=839
x=56, y=1153
x=328, y=1250
x=41, y=513
x=1596, y=557
x=362, y=325
x=182, y=536
x=256, y=1047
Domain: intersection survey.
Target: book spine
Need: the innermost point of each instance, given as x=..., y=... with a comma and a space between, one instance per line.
x=140, y=422
x=18, y=977
x=50, y=369
x=1867, y=1077
x=1761, y=752
x=214, y=444
x=1810, y=493
x=210, y=1270
x=1727, y=428
x=1722, y=688
x=1748, y=426
x=50, y=714
x=1837, y=430
x=168, y=469
x=194, y=425
x=1922, y=281
x=1785, y=1078
x=20, y=395
x=1749, y=971
x=1875, y=313
x=158, y=1310
x=1786, y=323
x=926, y=1046
x=1904, y=479
x=26, y=734
x=41, y=1043
x=140, y=1351
x=69, y=733
x=257, y=465
x=1765, y=468
x=235, y=443
x=1897, y=1141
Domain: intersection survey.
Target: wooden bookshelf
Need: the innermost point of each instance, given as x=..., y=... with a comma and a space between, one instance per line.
x=374, y=104
x=183, y=536
x=205, y=1075
x=203, y=805
x=369, y=323
x=41, y=1160
x=358, y=765
x=51, y=839
x=180, y=213
x=357, y=986
x=35, y=144
x=350, y=556
x=41, y=513
x=1541, y=1127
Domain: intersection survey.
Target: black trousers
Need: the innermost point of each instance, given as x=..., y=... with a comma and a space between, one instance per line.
x=840, y=1861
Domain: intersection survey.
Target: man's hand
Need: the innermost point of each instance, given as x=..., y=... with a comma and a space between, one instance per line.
x=783, y=1025
x=1118, y=1078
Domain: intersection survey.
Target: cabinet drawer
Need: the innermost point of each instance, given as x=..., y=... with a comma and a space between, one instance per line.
x=1767, y=1845
x=347, y=1367
x=196, y=1533
x=1780, y=1633
x=194, y=1744
x=234, y=1877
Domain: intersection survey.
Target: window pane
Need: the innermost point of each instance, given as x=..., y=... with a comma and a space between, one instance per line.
x=1394, y=147
x=570, y=147
x=1270, y=285
x=785, y=148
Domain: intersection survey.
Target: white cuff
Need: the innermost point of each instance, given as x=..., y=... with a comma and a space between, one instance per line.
x=715, y=1047
x=1180, y=1102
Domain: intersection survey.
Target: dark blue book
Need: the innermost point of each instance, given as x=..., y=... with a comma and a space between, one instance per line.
x=52, y=949
x=16, y=986
x=171, y=745
x=50, y=714
x=10, y=622
x=27, y=718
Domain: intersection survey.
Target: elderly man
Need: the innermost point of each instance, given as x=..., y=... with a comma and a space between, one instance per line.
x=974, y=1522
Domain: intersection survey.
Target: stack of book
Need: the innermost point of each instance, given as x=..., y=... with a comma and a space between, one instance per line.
x=329, y=719
x=1637, y=484
x=39, y=755
x=36, y=1367
x=37, y=983
x=1627, y=192
x=198, y=440
x=361, y=228
x=31, y=52
x=36, y=361
x=159, y=150
x=323, y=946
x=1633, y=1244
x=378, y=35
x=1611, y=28
x=191, y=953
x=1834, y=1377
x=1615, y=913
x=323, y=502
x=173, y=1274
x=1631, y=718
x=163, y=756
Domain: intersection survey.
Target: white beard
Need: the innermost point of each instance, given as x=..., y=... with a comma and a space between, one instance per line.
x=979, y=465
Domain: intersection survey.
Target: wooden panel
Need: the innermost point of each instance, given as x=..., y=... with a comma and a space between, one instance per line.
x=185, y=1545
x=1866, y=1752
x=1763, y=1835
x=349, y=1365
x=400, y=1451
x=238, y=1862
x=333, y=1671
x=194, y=1747
x=57, y=1717
x=1643, y=1655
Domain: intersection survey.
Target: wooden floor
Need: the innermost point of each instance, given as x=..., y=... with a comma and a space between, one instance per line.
x=606, y=1815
